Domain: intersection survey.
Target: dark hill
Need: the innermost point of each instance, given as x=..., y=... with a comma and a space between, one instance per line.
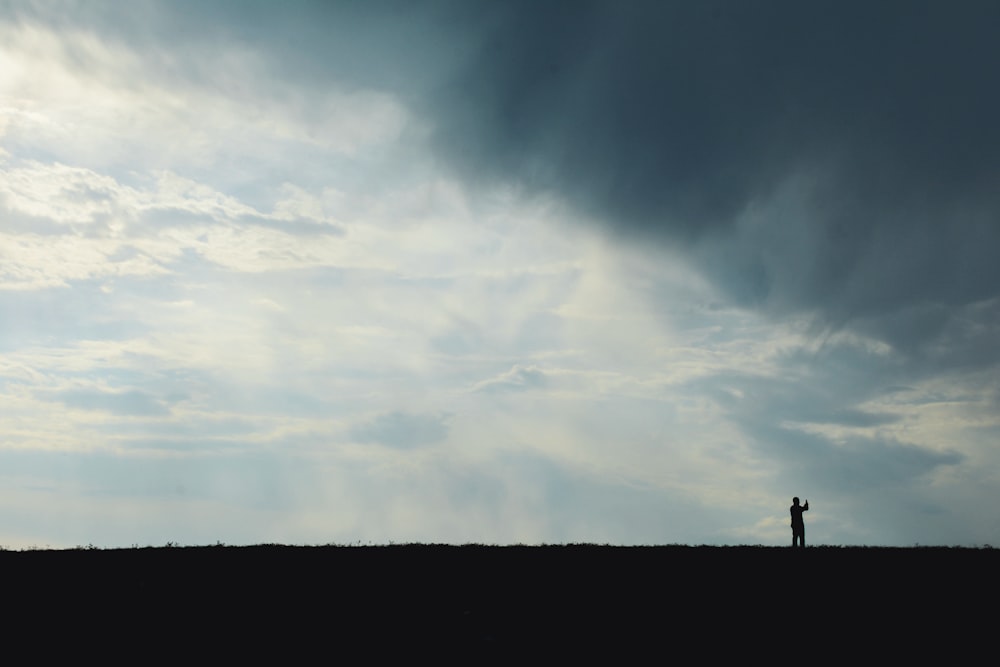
x=474, y=602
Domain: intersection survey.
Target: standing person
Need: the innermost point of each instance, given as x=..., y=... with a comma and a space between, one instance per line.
x=798, y=526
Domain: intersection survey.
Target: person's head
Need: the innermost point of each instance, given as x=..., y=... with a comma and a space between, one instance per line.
x=795, y=500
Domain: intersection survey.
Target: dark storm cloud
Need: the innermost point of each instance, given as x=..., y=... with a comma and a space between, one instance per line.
x=839, y=158
x=812, y=398
x=859, y=464
x=674, y=120
x=875, y=479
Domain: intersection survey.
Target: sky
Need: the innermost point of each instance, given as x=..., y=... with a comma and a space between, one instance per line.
x=499, y=272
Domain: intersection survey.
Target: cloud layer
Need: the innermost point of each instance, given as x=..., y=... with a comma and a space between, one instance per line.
x=497, y=272
x=834, y=157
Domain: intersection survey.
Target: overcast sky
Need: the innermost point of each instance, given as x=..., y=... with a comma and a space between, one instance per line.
x=499, y=272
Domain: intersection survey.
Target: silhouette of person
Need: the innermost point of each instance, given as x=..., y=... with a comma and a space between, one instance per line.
x=798, y=526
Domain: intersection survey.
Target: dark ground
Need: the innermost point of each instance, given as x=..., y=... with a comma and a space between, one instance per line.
x=475, y=603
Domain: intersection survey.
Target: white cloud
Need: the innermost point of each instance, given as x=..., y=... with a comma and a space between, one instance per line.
x=518, y=378
x=100, y=104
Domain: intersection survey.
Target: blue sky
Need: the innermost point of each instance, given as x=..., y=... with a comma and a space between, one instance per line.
x=313, y=273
